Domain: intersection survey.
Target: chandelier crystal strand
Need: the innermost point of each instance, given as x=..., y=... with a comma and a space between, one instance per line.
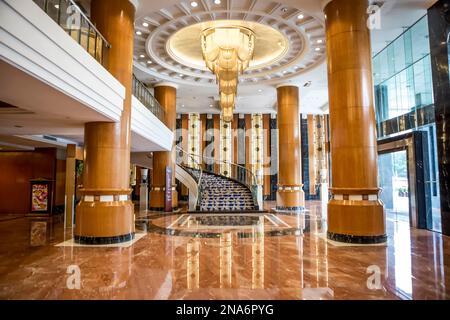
x=227, y=52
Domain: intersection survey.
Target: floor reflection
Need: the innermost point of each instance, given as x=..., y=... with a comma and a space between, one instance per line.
x=253, y=256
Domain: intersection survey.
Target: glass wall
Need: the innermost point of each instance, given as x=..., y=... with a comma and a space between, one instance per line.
x=404, y=96
x=402, y=74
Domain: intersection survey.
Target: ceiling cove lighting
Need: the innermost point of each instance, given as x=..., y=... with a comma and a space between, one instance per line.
x=227, y=52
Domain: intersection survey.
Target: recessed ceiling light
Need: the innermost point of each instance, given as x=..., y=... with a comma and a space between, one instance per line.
x=181, y=75
x=317, y=49
x=284, y=71
x=149, y=62
x=210, y=105
x=145, y=24
x=300, y=16
x=217, y=1
x=182, y=105
x=194, y=4
x=138, y=33
x=142, y=56
x=320, y=41
x=57, y=6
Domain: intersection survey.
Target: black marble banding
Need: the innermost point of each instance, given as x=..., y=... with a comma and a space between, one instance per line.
x=103, y=240
x=347, y=238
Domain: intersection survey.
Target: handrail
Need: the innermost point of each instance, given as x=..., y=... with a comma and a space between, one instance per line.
x=92, y=40
x=143, y=94
x=199, y=168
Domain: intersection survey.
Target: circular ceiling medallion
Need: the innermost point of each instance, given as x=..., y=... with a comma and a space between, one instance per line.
x=289, y=42
x=185, y=45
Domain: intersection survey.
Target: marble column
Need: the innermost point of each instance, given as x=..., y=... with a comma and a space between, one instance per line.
x=439, y=29
x=355, y=212
x=290, y=195
x=106, y=213
x=166, y=94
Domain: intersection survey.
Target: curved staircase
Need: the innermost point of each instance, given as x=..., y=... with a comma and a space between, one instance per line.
x=218, y=193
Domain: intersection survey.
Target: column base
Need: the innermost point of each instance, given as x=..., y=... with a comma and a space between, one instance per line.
x=104, y=240
x=347, y=238
x=356, y=221
x=290, y=200
x=104, y=222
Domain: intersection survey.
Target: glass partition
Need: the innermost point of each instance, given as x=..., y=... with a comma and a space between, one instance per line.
x=402, y=74
x=72, y=19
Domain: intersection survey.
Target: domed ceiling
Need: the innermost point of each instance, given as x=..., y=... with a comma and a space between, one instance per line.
x=290, y=42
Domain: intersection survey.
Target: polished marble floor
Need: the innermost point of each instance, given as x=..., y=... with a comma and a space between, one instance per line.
x=247, y=256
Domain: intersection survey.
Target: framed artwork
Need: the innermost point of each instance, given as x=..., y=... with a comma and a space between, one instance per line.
x=41, y=196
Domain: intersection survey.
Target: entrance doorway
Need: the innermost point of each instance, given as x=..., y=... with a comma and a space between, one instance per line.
x=393, y=179
x=407, y=176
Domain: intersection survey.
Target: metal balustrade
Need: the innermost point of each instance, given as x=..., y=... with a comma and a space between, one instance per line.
x=68, y=15
x=143, y=94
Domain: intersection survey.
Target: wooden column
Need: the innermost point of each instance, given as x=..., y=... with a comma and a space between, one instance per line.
x=290, y=195
x=355, y=212
x=71, y=158
x=106, y=213
x=166, y=94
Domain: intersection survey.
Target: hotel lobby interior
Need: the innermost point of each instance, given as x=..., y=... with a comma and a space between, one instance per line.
x=224, y=150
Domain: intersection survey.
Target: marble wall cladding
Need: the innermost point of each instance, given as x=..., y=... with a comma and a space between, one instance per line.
x=305, y=161
x=439, y=30
x=209, y=145
x=273, y=158
x=407, y=122
x=241, y=146
x=422, y=187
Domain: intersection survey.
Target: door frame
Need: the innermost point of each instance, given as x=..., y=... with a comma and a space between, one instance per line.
x=415, y=144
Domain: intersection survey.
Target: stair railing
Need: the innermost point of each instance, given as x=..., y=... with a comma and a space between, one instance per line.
x=230, y=170
x=182, y=160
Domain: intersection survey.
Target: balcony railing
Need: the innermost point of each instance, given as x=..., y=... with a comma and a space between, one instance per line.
x=71, y=18
x=143, y=94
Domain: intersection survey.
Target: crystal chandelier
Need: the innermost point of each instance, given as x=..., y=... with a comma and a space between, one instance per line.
x=227, y=52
